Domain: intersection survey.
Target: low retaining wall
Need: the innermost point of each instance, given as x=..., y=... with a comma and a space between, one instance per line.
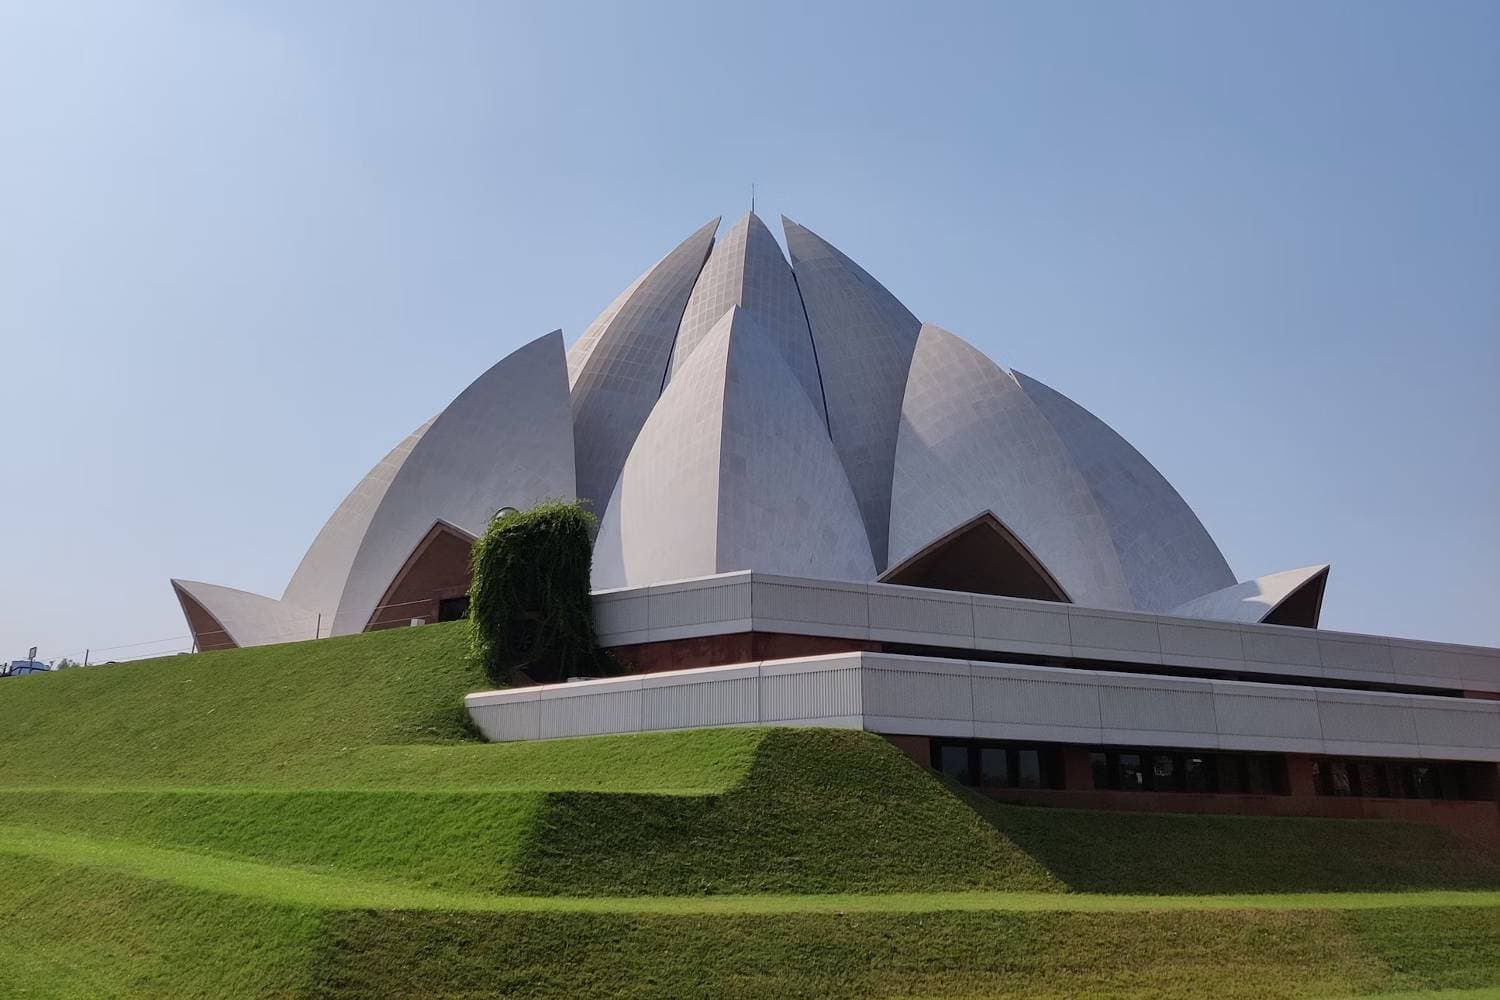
x=923, y=696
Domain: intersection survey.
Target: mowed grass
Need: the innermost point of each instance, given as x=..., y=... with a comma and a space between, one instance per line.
x=379, y=710
x=318, y=820
x=94, y=933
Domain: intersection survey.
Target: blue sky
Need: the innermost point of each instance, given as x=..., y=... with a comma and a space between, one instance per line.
x=246, y=248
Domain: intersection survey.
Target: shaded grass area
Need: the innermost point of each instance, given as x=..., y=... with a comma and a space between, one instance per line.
x=334, y=890
x=1124, y=852
x=1159, y=955
x=821, y=811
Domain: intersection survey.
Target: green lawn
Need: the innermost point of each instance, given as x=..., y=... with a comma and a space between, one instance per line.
x=318, y=820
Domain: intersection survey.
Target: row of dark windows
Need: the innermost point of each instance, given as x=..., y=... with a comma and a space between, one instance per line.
x=1189, y=771
x=994, y=764
x=999, y=765
x=1391, y=779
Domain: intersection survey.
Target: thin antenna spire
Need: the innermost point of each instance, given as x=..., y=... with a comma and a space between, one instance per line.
x=752, y=197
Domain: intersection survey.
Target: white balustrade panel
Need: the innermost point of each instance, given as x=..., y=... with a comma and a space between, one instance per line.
x=931, y=696
x=731, y=603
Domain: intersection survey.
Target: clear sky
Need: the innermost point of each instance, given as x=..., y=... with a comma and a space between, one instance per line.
x=245, y=248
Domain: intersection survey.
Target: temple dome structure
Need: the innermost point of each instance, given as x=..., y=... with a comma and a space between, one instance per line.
x=738, y=409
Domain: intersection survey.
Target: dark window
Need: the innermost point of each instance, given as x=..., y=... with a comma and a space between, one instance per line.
x=1451, y=781
x=1397, y=781
x=1029, y=768
x=1199, y=774
x=954, y=762
x=1371, y=779
x=451, y=609
x=1164, y=772
x=1429, y=786
x=1338, y=778
x=994, y=767
x=1258, y=776
x=1230, y=781
x=1132, y=777
x=1099, y=765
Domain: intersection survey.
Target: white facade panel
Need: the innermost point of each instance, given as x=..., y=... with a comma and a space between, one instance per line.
x=1282, y=647
x=591, y=708
x=1004, y=694
x=810, y=607
x=620, y=617
x=1001, y=623
x=1266, y=712
x=806, y=606
x=917, y=688
x=505, y=716
x=1448, y=663
x=813, y=688
x=713, y=601
x=1353, y=656
x=724, y=699
x=1187, y=645
x=1451, y=723
x=1163, y=706
x=937, y=697
x=1100, y=635
x=1352, y=717
x=918, y=615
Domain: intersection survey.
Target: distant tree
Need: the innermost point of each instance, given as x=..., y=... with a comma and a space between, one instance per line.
x=65, y=663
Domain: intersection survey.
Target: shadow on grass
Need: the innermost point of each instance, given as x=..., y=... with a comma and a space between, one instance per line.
x=1172, y=853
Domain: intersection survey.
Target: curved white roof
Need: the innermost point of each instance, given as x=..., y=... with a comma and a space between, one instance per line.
x=864, y=339
x=747, y=269
x=1167, y=555
x=733, y=411
x=1252, y=600
x=506, y=441
x=617, y=368
x=249, y=619
x=733, y=471
x=971, y=441
x=318, y=581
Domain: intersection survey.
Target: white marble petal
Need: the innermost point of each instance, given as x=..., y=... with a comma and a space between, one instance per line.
x=733, y=471
x=864, y=339
x=747, y=269
x=1252, y=600
x=507, y=440
x=617, y=368
x=972, y=441
x=249, y=619
x=1166, y=553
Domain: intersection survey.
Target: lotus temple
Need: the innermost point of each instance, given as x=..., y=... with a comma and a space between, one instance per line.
x=818, y=510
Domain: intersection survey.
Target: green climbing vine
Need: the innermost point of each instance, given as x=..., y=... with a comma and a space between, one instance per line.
x=529, y=606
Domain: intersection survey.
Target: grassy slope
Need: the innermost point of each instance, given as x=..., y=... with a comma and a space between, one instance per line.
x=347, y=761
x=153, y=939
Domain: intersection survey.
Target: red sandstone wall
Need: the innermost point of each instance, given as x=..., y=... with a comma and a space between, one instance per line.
x=739, y=647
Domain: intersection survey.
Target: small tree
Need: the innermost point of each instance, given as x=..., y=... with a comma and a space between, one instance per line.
x=529, y=604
